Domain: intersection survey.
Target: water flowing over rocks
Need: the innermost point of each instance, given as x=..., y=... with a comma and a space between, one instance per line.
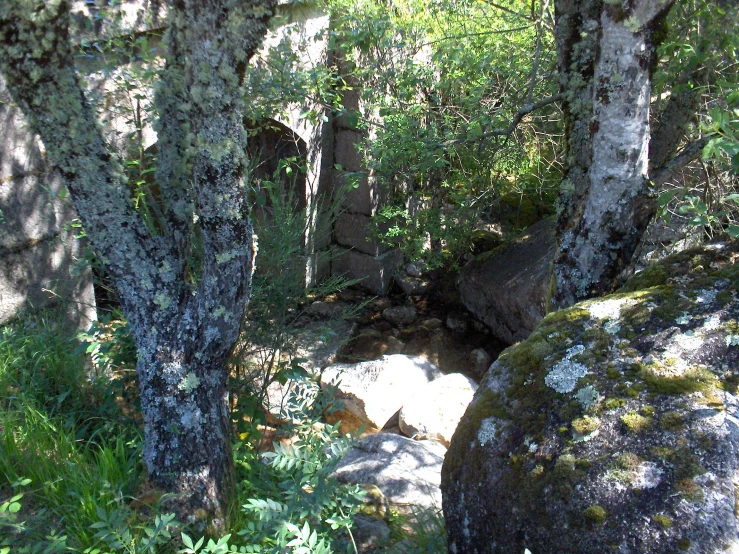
x=613, y=427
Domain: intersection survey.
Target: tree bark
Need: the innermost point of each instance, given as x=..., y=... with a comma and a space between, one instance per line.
x=606, y=56
x=183, y=336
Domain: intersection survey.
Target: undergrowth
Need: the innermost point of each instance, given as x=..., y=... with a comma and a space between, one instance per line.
x=72, y=480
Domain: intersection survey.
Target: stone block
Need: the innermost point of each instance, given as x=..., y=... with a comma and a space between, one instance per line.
x=355, y=230
x=45, y=275
x=375, y=272
x=347, y=153
x=359, y=192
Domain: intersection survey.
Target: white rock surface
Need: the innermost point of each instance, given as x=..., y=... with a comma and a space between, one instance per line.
x=406, y=471
x=434, y=412
x=373, y=391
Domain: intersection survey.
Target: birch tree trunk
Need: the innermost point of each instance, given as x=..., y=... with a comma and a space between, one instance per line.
x=606, y=54
x=183, y=336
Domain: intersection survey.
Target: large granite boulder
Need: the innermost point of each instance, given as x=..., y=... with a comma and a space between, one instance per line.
x=507, y=287
x=373, y=391
x=434, y=412
x=613, y=428
x=405, y=470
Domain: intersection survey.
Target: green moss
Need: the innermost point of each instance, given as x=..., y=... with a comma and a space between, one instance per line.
x=595, y=515
x=583, y=464
x=647, y=411
x=611, y=404
x=689, y=489
x=662, y=520
x=612, y=372
x=693, y=380
x=570, y=317
x=635, y=423
x=598, y=339
x=628, y=461
x=685, y=463
x=374, y=502
x=683, y=544
x=724, y=297
x=564, y=476
x=485, y=405
x=671, y=307
x=652, y=276
x=672, y=421
x=585, y=425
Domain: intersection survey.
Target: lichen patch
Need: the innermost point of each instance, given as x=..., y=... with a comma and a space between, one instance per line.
x=566, y=373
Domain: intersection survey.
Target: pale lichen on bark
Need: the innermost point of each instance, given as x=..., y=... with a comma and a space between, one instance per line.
x=183, y=336
x=606, y=59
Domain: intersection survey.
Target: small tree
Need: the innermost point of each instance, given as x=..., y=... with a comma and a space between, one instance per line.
x=184, y=332
x=606, y=55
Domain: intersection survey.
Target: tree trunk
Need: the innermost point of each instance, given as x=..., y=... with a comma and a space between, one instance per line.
x=606, y=58
x=183, y=336
x=187, y=446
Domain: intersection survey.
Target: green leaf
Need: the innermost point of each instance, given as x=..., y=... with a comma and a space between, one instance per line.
x=733, y=231
x=665, y=197
x=187, y=541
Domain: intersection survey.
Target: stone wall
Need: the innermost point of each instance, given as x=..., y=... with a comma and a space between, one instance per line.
x=39, y=255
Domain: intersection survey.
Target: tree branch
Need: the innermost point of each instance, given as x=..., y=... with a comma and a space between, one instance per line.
x=36, y=59
x=693, y=150
x=507, y=131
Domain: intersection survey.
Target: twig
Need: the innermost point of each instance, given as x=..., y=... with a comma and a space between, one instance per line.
x=527, y=109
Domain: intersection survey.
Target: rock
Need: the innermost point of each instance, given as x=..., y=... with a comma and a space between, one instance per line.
x=444, y=349
x=326, y=310
x=434, y=412
x=613, y=427
x=369, y=532
x=394, y=346
x=406, y=471
x=412, y=286
x=480, y=361
x=371, y=344
x=414, y=269
x=456, y=323
x=431, y=323
x=484, y=240
x=373, y=391
x=288, y=402
x=400, y=315
x=374, y=503
x=315, y=344
x=507, y=287
x=374, y=273
x=318, y=342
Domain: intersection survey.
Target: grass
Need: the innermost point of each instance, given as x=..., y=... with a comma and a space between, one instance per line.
x=72, y=479
x=63, y=430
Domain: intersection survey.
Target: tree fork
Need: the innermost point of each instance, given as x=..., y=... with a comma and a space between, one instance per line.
x=183, y=338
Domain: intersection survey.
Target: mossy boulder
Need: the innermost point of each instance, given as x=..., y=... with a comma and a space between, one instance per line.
x=613, y=427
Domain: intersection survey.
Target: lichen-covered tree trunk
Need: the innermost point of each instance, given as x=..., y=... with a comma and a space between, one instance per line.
x=606, y=54
x=184, y=335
